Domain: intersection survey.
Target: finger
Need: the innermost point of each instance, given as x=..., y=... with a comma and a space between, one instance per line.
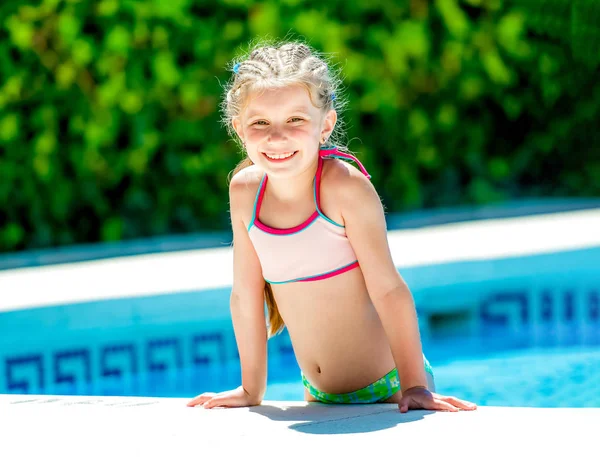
x=218, y=400
x=210, y=403
x=407, y=403
x=462, y=404
x=441, y=405
x=195, y=401
x=229, y=401
x=200, y=399
x=403, y=405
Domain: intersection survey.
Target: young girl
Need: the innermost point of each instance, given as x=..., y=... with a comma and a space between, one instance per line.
x=310, y=238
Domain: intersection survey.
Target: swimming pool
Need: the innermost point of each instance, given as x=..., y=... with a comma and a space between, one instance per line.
x=500, y=331
x=184, y=361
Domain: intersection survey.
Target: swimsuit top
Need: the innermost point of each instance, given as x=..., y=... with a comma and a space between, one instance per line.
x=316, y=249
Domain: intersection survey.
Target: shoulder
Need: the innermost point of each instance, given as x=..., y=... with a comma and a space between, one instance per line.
x=346, y=183
x=245, y=180
x=242, y=191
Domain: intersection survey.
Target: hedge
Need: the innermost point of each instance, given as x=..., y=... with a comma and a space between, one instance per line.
x=109, y=121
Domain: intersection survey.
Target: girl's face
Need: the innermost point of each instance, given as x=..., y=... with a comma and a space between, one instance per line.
x=282, y=129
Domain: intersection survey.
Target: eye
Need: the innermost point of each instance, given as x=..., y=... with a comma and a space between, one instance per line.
x=296, y=119
x=260, y=123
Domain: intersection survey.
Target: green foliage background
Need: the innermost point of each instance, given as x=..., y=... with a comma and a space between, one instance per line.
x=109, y=121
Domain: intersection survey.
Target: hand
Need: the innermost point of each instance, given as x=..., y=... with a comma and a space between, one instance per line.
x=421, y=398
x=232, y=398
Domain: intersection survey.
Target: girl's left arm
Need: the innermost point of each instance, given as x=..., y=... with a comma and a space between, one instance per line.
x=366, y=229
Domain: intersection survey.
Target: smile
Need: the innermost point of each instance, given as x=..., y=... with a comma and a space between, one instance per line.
x=279, y=157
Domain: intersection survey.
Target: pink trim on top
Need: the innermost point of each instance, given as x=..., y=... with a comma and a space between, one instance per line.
x=261, y=194
x=276, y=231
x=318, y=184
x=331, y=274
x=334, y=152
x=288, y=231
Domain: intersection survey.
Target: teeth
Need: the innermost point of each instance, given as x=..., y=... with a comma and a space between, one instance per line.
x=280, y=156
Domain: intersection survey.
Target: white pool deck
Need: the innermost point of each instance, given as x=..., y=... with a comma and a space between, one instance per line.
x=32, y=425
x=119, y=426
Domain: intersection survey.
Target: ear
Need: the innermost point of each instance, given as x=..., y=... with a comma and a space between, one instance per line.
x=328, y=123
x=237, y=126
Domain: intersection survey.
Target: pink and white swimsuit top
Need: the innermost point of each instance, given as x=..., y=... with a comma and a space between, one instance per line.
x=314, y=250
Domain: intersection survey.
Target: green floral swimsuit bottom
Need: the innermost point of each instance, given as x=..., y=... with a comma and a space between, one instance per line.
x=380, y=390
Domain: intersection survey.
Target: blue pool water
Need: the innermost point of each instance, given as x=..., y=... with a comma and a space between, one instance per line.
x=526, y=377
x=498, y=370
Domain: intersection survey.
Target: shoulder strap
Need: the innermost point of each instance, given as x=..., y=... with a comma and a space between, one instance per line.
x=333, y=152
x=258, y=200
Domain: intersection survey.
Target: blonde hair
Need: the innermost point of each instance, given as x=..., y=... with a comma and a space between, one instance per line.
x=268, y=66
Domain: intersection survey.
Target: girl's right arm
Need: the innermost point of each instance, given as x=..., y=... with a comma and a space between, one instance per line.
x=247, y=307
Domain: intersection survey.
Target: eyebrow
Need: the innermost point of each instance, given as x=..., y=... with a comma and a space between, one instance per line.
x=301, y=108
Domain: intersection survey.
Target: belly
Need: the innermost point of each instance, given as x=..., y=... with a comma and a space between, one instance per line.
x=335, y=331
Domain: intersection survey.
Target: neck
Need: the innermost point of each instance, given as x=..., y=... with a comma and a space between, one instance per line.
x=289, y=189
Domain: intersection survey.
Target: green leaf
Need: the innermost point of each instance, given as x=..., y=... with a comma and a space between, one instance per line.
x=233, y=30
x=107, y=8
x=11, y=235
x=510, y=31
x=45, y=143
x=454, y=18
x=21, y=33
x=447, y=116
x=9, y=127
x=413, y=38
x=165, y=69
x=118, y=40
x=495, y=68
x=499, y=168
x=418, y=122
x=138, y=161
x=42, y=168
x=112, y=229
x=83, y=52
x=68, y=27
x=65, y=75
x=131, y=102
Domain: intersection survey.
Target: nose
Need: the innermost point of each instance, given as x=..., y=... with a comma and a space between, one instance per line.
x=276, y=136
